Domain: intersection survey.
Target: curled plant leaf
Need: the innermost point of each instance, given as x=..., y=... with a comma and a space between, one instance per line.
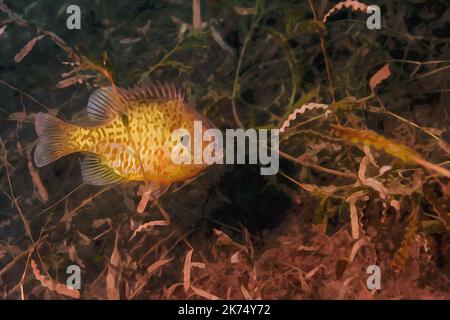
x=37, y=182
x=235, y=257
x=188, y=264
x=196, y=16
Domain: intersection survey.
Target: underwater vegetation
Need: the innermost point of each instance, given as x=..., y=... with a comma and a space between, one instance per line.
x=364, y=172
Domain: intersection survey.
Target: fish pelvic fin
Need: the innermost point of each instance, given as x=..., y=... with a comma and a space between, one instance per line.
x=54, y=135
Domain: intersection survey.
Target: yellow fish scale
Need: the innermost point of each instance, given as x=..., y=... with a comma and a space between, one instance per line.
x=137, y=144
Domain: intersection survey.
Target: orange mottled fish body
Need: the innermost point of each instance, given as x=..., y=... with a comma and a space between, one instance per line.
x=132, y=139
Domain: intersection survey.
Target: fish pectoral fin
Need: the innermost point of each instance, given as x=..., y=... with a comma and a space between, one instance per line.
x=96, y=172
x=104, y=104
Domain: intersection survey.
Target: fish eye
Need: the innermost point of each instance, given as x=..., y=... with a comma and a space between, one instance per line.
x=184, y=140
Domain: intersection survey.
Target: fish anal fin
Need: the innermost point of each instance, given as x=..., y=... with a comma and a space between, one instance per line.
x=96, y=172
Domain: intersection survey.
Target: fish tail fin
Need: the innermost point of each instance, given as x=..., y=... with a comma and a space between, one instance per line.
x=54, y=135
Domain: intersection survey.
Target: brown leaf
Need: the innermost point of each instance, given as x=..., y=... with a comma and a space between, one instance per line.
x=27, y=48
x=371, y=182
x=381, y=75
x=245, y=292
x=398, y=150
x=72, y=80
x=21, y=116
x=354, y=5
x=308, y=248
x=344, y=288
x=219, y=40
x=85, y=240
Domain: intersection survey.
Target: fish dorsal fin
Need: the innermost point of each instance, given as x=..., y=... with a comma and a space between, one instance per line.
x=98, y=173
x=103, y=104
x=152, y=91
